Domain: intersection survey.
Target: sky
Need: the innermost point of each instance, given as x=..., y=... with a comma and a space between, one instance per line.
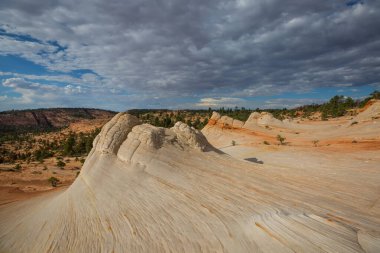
x=119, y=55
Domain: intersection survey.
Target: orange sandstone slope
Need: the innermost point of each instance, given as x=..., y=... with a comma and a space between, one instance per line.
x=362, y=129
x=150, y=189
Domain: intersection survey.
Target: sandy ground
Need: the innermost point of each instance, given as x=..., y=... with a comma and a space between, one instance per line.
x=34, y=178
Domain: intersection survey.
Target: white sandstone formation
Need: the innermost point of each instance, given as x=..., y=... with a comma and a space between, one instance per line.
x=150, y=189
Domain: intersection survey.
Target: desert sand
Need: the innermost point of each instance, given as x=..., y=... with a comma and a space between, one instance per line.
x=149, y=189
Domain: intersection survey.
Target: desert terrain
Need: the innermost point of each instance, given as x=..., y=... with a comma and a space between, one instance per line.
x=260, y=185
x=34, y=155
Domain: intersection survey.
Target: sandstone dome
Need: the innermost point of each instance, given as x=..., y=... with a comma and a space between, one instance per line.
x=150, y=189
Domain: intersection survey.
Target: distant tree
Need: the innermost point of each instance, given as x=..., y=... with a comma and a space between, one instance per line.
x=375, y=94
x=156, y=121
x=68, y=147
x=197, y=123
x=188, y=122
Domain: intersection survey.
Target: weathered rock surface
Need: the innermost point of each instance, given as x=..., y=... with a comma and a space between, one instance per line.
x=149, y=189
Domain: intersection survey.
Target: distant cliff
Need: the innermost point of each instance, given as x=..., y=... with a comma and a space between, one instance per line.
x=46, y=119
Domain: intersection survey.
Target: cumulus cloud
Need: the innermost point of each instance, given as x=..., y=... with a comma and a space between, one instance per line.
x=40, y=95
x=220, y=102
x=70, y=89
x=208, y=49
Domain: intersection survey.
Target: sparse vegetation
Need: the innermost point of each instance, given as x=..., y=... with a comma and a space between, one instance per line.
x=337, y=106
x=17, y=168
x=281, y=139
x=266, y=143
x=61, y=164
x=315, y=142
x=233, y=143
x=165, y=118
x=54, y=181
x=374, y=95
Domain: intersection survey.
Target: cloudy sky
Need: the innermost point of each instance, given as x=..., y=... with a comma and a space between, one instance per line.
x=119, y=55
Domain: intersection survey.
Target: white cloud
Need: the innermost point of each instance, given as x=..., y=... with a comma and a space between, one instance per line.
x=220, y=102
x=280, y=103
x=70, y=89
x=35, y=94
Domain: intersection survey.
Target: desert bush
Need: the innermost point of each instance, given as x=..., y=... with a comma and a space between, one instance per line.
x=233, y=143
x=266, y=143
x=61, y=164
x=54, y=181
x=281, y=139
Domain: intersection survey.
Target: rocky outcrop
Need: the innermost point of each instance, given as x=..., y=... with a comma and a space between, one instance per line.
x=370, y=112
x=188, y=136
x=224, y=121
x=114, y=133
x=255, y=119
x=145, y=139
x=267, y=118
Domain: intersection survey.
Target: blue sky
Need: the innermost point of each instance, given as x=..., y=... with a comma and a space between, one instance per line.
x=179, y=54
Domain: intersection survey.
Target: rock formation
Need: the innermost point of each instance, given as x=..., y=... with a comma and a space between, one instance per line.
x=150, y=189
